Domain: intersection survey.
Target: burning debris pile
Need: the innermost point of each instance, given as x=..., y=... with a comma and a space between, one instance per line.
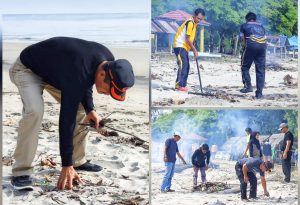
x=274, y=66
x=211, y=187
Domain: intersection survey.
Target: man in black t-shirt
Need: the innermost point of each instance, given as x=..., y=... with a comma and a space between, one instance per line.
x=254, y=37
x=67, y=68
x=286, y=149
x=200, y=161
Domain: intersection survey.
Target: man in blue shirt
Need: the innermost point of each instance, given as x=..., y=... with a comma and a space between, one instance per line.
x=171, y=149
x=253, y=35
x=200, y=161
x=245, y=170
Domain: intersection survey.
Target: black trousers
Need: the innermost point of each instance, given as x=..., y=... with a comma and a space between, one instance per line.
x=243, y=185
x=254, y=52
x=183, y=66
x=287, y=166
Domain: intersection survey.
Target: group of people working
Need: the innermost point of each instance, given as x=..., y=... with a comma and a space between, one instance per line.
x=200, y=161
x=252, y=162
x=253, y=38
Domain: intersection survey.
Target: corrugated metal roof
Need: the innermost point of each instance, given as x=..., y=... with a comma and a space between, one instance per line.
x=155, y=28
x=293, y=41
x=277, y=41
x=177, y=15
x=274, y=139
x=174, y=25
x=193, y=136
x=164, y=26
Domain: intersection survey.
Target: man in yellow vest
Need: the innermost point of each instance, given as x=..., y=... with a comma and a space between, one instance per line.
x=183, y=43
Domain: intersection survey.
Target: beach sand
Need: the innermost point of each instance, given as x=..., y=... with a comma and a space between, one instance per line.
x=125, y=177
x=182, y=182
x=222, y=77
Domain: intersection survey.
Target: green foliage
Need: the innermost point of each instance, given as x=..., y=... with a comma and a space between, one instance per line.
x=291, y=117
x=226, y=16
x=219, y=125
x=282, y=16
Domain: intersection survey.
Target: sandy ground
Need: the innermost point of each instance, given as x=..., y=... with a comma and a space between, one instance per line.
x=183, y=178
x=125, y=176
x=221, y=77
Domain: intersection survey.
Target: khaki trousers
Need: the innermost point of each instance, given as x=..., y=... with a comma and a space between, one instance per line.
x=31, y=88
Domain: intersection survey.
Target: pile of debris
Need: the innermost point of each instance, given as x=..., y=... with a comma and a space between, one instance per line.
x=211, y=187
x=274, y=66
x=290, y=81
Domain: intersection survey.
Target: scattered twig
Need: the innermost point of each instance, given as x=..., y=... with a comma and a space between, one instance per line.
x=135, y=200
x=48, y=162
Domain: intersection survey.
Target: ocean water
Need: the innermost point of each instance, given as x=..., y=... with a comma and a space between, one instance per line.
x=111, y=29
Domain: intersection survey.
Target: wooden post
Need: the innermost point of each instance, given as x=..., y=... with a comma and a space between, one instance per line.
x=155, y=42
x=236, y=44
x=202, y=39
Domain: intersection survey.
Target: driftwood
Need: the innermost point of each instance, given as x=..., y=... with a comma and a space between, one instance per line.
x=48, y=162
x=289, y=80
x=134, y=140
x=135, y=200
x=7, y=160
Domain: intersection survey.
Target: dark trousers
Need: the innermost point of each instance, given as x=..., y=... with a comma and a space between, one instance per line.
x=183, y=66
x=243, y=185
x=254, y=52
x=286, y=167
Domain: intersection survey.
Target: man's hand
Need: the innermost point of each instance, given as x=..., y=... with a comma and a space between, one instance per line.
x=284, y=156
x=184, y=162
x=165, y=159
x=195, y=52
x=206, y=167
x=67, y=175
x=266, y=193
x=93, y=116
x=246, y=179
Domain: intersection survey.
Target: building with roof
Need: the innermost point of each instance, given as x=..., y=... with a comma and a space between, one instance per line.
x=165, y=26
x=282, y=46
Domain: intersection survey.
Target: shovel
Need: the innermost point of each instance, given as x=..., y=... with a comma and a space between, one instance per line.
x=201, y=89
x=199, y=76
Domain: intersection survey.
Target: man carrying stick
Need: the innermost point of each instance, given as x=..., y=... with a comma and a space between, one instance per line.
x=183, y=43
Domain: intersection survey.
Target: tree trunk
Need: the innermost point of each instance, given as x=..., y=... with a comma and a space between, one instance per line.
x=237, y=37
x=222, y=43
x=211, y=41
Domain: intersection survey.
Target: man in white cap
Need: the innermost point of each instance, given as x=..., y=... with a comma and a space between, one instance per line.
x=171, y=149
x=286, y=149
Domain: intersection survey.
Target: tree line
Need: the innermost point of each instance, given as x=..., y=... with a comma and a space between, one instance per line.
x=279, y=17
x=219, y=125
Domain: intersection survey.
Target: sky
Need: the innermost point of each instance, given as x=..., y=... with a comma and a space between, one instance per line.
x=73, y=6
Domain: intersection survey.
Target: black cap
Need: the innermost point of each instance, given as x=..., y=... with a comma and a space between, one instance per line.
x=248, y=129
x=269, y=165
x=122, y=78
x=205, y=147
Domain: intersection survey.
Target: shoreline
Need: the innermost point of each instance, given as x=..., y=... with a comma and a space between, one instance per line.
x=139, y=57
x=125, y=174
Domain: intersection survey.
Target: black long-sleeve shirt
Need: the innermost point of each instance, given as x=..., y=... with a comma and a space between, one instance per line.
x=198, y=158
x=68, y=64
x=254, y=148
